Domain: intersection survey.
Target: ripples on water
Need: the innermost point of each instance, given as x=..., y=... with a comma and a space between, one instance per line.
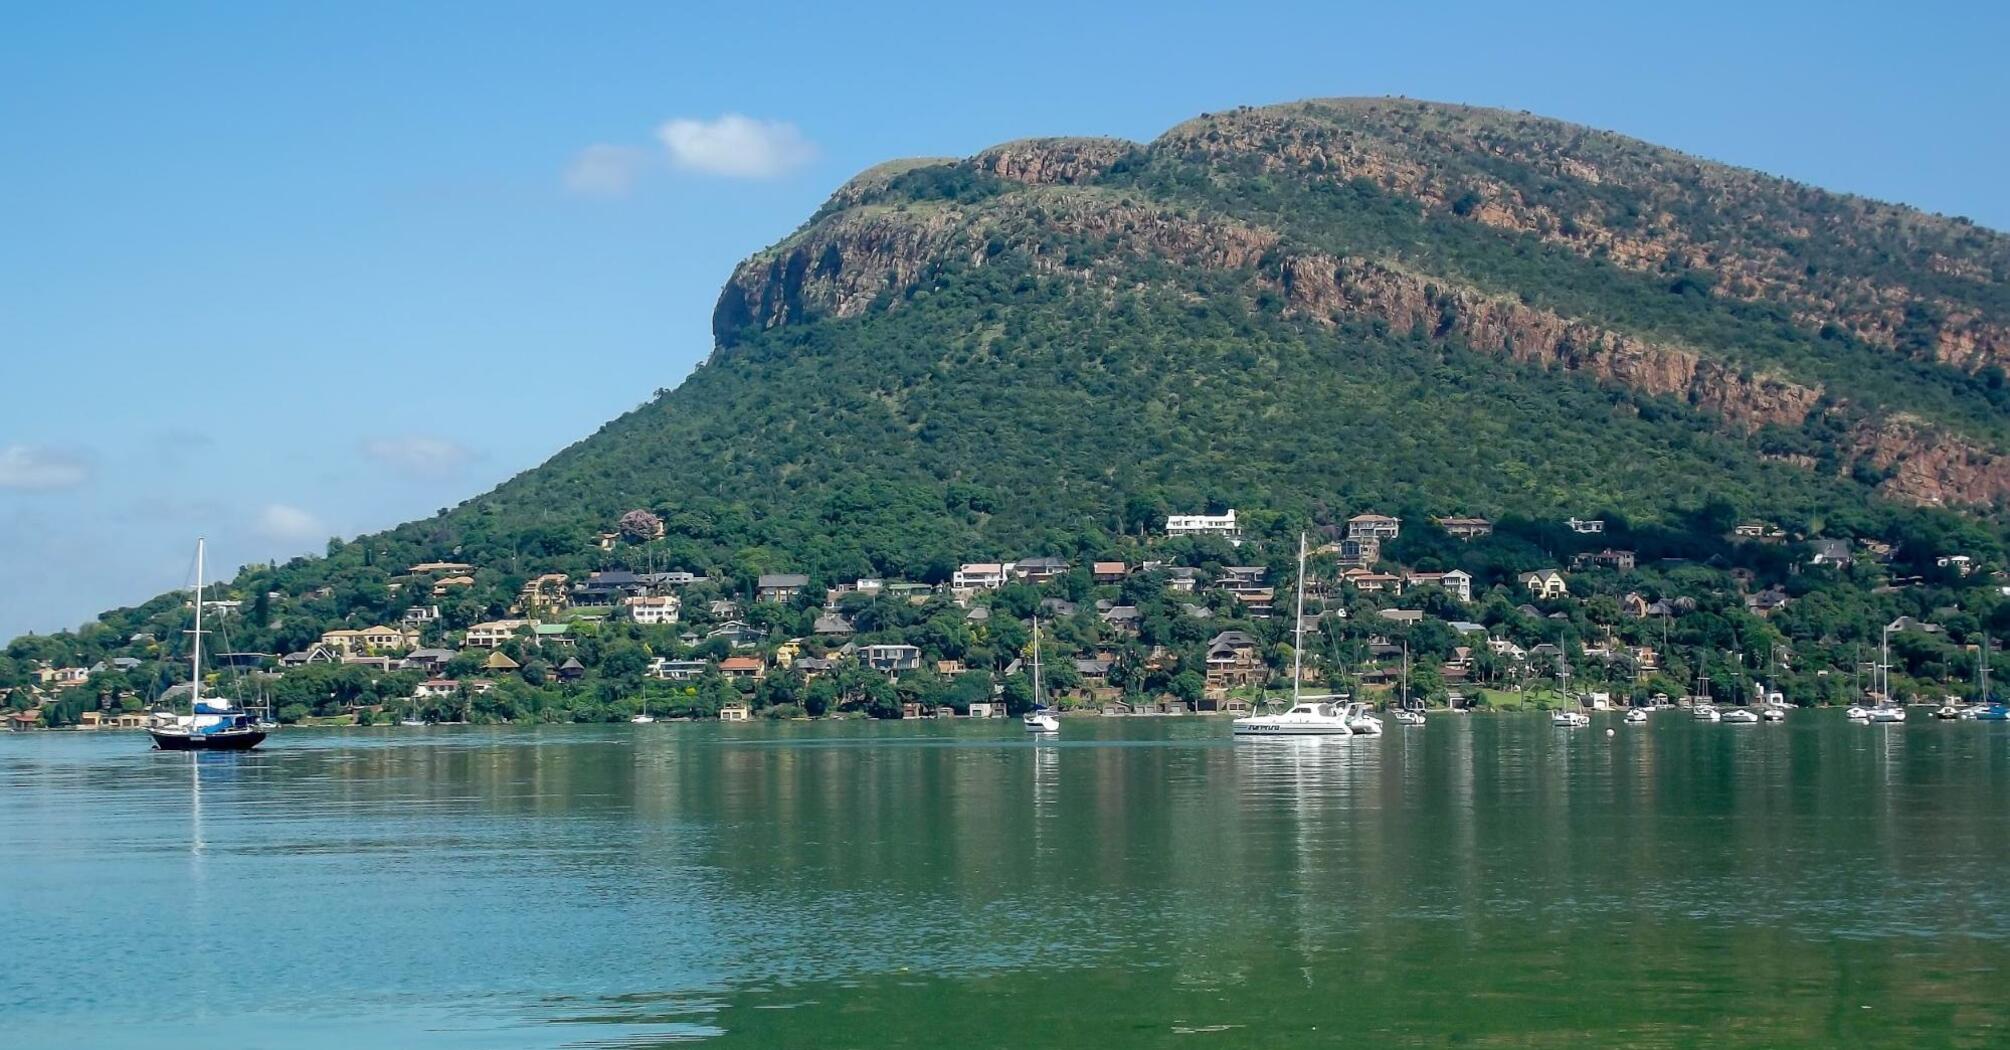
x=1132, y=883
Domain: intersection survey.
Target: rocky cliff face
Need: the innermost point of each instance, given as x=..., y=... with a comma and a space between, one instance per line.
x=1555, y=181
x=1061, y=203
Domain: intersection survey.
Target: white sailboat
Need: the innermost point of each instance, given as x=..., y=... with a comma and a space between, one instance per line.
x=1405, y=715
x=1569, y=717
x=1307, y=716
x=645, y=717
x=1040, y=719
x=213, y=723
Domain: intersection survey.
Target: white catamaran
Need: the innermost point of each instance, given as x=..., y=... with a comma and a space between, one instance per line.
x=1308, y=715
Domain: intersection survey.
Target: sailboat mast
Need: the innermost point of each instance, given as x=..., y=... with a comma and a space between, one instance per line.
x=195, y=654
x=1298, y=628
x=1406, y=674
x=1037, y=702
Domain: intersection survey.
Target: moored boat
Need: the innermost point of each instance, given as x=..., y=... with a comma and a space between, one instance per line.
x=1041, y=719
x=1307, y=716
x=213, y=723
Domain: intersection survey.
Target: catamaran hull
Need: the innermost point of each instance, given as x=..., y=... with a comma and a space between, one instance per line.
x=242, y=740
x=1273, y=730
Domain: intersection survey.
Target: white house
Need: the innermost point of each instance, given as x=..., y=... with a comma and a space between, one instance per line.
x=1586, y=528
x=980, y=576
x=1204, y=525
x=675, y=670
x=890, y=657
x=1373, y=527
x=1458, y=583
x=653, y=612
x=494, y=632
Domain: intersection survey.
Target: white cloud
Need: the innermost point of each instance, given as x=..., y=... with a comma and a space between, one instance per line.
x=31, y=467
x=735, y=146
x=425, y=457
x=602, y=170
x=289, y=524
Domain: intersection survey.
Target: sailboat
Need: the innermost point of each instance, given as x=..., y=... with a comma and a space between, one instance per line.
x=645, y=717
x=1987, y=709
x=1567, y=717
x=213, y=724
x=1307, y=716
x=1040, y=719
x=1405, y=715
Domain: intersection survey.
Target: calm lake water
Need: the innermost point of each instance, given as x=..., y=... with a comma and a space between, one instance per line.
x=1144, y=882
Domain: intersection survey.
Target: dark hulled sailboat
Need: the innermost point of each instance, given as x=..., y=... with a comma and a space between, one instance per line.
x=211, y=724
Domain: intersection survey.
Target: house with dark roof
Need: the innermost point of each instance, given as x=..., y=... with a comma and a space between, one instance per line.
x=780, y=586
x=1123, y=617
x=1234, y=658
x=1040, y=570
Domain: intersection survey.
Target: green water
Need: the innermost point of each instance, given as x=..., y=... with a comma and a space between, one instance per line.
x=1484, y=881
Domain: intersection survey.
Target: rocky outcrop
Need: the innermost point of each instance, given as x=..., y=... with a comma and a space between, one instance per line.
x=837, y=268
x=1055, y=161
x=1515, y=172
x=1928, y=466
x=1329, y=289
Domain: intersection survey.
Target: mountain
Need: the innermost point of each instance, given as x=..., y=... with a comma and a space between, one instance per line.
x=1301, y=311
x=1317, y=305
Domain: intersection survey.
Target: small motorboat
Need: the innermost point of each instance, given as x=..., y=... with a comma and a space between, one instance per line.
x=1887, y=714
x=1739, y=716
x=1636, y=717
x=1566, y=718
x=1705, y=713
x=1362, y=721
x=1409, y=718
x=1950, y=712
x=1857, y=713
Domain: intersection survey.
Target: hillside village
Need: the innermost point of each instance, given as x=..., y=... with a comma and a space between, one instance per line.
x=1195, y=618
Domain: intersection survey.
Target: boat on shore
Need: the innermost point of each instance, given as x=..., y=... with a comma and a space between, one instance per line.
x=213, y=723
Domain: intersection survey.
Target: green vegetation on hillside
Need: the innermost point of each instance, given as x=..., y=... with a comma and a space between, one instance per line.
x=1023, y=387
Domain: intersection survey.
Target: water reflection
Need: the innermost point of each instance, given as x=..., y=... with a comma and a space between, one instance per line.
x=854, y=884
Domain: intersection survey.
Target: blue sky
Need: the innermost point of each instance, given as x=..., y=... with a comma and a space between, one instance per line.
x=274, y=273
